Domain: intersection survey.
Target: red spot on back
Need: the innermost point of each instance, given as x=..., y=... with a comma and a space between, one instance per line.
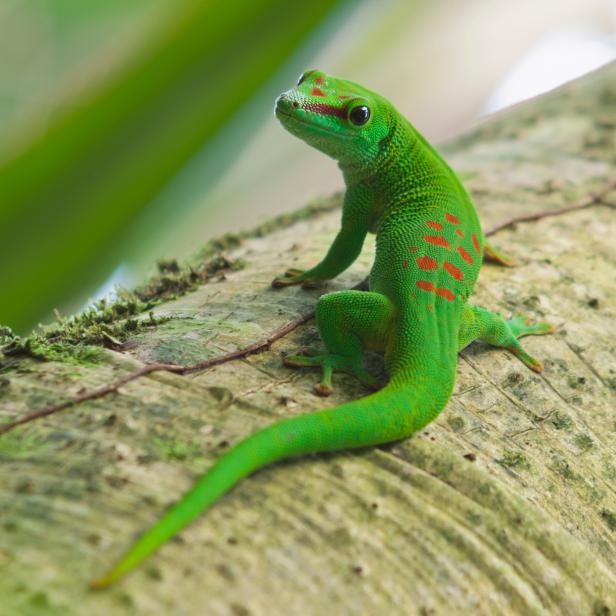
x=465, y=255
x=412, y=248
x=434, y=225
x=452, y=219
x=427, y=263
x=453, y=270
x=459, y=232
x=319, y=81
x=424, y=285
x=430, y=307
x=317, y=92
x=476, y=244
x=437, y=240
x=446, y=294
x=405, y=264
x=343, y=96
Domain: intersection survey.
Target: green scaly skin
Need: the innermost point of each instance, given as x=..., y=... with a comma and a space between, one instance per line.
x=429, y=247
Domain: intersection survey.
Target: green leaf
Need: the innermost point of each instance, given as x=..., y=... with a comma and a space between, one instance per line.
x=67, y=198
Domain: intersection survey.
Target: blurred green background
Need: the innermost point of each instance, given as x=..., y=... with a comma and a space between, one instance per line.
x=135, y=130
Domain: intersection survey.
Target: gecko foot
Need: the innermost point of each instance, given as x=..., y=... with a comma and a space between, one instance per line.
x=523, y=326
x=329, y=363
x=295, y=276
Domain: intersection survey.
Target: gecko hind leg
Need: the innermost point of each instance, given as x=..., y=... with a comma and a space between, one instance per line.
x=349, y=322
x=330, y=363
x=479, y=323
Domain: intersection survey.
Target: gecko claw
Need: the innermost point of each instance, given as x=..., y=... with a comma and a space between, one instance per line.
x=323, y=390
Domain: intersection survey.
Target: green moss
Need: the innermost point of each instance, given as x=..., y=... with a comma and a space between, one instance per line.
x=39, y=599
x=561, y=421
x=36, y=346
x=6, y=338
x=124, y=599
x=173, y=280
x=456, y=423
x=20, y=444
x=532, y=302
x=237, y=609
x=78, y=339
x=561, y=466
x=600, y=609
x=176, y=450
x=609, y=470
x=154, y=573
x=583, y=441
x=575, y=381
x=6, y=334
x=513, y=459
x=609, y=517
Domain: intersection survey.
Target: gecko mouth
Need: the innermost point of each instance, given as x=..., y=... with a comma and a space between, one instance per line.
x=312, y=125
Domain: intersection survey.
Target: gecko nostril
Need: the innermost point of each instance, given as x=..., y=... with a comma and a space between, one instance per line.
x=295, y=105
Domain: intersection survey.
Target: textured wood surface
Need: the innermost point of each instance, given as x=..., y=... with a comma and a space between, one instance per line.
x=506, y=504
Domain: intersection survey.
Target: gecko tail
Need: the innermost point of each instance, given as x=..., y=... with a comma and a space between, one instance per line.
x=387, y=415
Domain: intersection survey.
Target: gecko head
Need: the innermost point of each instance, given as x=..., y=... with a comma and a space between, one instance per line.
x=341, y=118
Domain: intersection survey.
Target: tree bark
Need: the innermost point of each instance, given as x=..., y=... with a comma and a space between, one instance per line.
x=506, y=504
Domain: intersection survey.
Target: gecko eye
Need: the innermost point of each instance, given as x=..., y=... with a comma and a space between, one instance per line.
x=359, y=115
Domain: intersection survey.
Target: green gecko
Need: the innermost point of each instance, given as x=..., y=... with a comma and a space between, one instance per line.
x=429, y=247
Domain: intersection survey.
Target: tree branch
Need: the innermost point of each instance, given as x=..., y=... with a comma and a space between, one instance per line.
x=283, y=330
x=592, y=199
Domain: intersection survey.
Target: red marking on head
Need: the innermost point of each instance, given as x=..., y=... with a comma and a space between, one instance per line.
x=437, y=240
x=325, y=109
x=412, y=248
x=453, y=270
x=446, y=294
x=343, y=96
x=459, y=232
x=424, y=285
x=405, y=264
x=434, y=225
x=319, y=81
x=427, y=263
x=452, y=219
x=476, y=244
x=465, y=255
x=317, y=92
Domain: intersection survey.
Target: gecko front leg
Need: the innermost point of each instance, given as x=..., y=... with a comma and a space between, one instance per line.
x=344, y=249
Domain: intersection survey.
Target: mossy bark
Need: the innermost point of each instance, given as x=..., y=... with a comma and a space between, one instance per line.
x=506, y=504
